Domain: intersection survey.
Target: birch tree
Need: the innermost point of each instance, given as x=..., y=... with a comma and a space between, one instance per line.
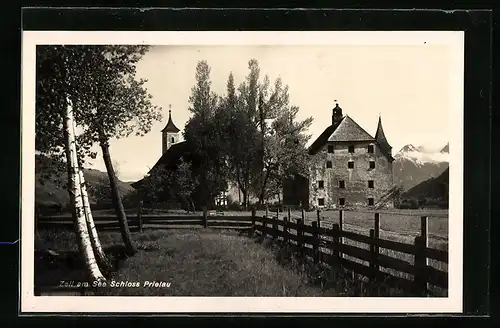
x=101, y=258
x=76, y=199
x=109, y=102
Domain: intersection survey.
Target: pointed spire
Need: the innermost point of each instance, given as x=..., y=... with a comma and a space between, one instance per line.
x=380, y=137
x=170, y=127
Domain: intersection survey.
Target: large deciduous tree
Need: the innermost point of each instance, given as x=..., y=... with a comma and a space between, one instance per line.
x=203, y=134
x=108, y=102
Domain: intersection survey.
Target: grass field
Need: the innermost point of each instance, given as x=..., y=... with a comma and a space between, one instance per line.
x=396, y=225
x=205, y=262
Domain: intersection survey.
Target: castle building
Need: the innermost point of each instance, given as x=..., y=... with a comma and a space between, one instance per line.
x=351, y=168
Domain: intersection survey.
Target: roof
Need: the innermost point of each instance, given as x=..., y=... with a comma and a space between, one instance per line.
x=349, y=130
x=382, y=140
x=345, y=130
x=323, y=138
x=168, y=159
x=170, y=127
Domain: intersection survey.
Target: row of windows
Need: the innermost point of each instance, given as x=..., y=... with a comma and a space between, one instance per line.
x=341, y=201
x=350, y=164
x=321, y=184
x=350, y=148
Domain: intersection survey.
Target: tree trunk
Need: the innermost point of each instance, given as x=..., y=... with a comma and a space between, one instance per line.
x=116, y=198
x=263, y=188
x=82, y=233
x=192, y=203
x=101, y=258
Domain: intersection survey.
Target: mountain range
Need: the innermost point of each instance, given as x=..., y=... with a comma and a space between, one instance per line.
x=51, y=189
x=416, y=164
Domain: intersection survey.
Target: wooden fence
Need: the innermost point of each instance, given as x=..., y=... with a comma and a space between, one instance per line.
x=330, y=245
x=327, y=245
x=140, y=222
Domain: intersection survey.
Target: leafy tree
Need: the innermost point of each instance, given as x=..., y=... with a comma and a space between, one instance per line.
x=108, y=101
x=253, y=150
x=204, y=138
x=285, y=153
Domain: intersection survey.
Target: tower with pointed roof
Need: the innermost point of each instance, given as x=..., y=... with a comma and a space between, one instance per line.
x=381, y=139
x=170, y=133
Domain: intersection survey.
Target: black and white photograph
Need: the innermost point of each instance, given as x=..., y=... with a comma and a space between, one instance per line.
x=242, y=171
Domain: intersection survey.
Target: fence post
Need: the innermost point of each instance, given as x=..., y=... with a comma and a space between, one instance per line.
x=300, y=233
x=139, y=216
x=285, y=230
x=318, y=217
x=424, y=233
x=336, y=254
x=275, y=228
x=341, y=228
x=374, y=251
x=290, y=214
x=267, y=210
x=205, y=218
x=315, y=242
x=277, y=214
x=252, y=229
x=419, y=279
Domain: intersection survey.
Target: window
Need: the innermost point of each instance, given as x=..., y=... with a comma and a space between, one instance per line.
x=350, y=165
x=351, y=149
x=341, y=201
x=172, y=140
x=328, y=164
x=321, y=202
x=370, y=183
x=321, y=184
x=371, y=149
x=342, y=184
x=372, y=164
x=330, y=148
x=370, y=201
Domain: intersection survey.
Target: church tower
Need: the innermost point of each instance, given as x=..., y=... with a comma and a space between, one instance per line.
x=170, y=133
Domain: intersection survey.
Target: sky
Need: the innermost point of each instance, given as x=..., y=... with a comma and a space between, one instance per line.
x=407, y=85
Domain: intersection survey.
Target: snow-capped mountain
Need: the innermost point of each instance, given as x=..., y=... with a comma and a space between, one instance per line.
x=415, y=164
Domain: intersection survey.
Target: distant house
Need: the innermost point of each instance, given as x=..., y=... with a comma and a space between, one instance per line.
x=351, y=168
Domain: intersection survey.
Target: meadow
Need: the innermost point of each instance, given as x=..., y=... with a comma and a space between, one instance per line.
x=225, y=263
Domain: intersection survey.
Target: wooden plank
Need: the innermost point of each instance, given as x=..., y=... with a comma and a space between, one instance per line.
x=395, y=264
x=382, y=243
x=436, y=254
x=228, y=224
x=436, y=277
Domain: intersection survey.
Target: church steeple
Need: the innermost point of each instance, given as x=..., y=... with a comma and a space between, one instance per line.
x=381, y=139
x=170, y=127
x=170, y=133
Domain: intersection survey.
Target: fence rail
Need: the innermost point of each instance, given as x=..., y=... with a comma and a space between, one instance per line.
x=328, y=245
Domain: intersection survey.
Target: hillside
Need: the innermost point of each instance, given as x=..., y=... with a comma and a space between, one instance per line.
x=414, y=165
x=433, y=188
x=51, y=181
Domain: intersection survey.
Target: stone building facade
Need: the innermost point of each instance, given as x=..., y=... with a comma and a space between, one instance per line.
x=351, y=168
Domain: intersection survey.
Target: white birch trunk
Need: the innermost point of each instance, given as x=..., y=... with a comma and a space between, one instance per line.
x=82, y=232
x=94, y=237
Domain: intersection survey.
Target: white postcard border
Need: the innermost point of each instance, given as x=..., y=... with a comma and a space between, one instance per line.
x=39, y=304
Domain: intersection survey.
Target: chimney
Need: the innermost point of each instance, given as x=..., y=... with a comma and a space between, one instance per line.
x=337, y=114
